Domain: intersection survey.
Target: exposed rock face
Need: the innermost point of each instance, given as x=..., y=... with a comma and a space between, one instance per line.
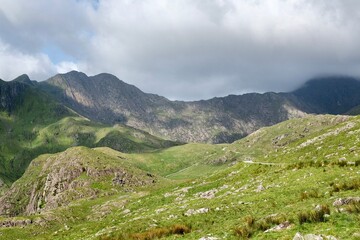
x=65, y=177
x=10, y=94
x=107, y=99
x=15, y=222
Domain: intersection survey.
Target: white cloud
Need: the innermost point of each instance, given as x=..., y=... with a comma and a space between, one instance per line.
x=191, y=49
x=64, y=67
x=14, y=63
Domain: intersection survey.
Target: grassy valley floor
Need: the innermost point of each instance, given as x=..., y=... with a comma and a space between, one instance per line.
x=301, y=175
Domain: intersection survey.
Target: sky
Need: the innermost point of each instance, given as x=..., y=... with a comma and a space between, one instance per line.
x=183, y=49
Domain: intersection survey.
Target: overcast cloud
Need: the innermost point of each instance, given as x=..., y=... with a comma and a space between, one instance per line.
x=183, y=49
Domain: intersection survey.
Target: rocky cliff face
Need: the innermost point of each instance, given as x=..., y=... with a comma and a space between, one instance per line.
x=10, y=92
x=56, y=180
x=107, y=99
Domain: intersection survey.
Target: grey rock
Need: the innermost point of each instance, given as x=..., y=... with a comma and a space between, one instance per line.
x=345, y=201
x=208, y=194
x=280, y=227
x=191, y=212
x=15, y=223
x=260, y=188
x=329, y=237
x=313, y=237
x=298, y=236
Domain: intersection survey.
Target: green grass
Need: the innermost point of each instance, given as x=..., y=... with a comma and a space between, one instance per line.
x=40, y=125
x=175, y=162
x=289, y=179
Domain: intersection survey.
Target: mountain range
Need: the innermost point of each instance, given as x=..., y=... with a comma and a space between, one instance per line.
x=95, y=158
x=106, y=99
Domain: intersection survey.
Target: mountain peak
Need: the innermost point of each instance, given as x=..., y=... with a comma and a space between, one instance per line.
x=24, y=78
x=331, y=80
x=74, y=74
x=334, y=95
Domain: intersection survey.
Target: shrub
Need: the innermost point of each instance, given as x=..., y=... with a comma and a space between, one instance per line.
x=263, y=225
x=269, y=221
x=244, y=232
x=353, y=207
x=317, y=215
x=345, y=186
x=155, y=233
x=251, y=225
x=180, y=229
x=312, y=193
x=357, y=163
x=250, y=221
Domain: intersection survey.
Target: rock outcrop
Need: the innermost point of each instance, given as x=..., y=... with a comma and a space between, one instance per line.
x=56, y=180
x=11, y=94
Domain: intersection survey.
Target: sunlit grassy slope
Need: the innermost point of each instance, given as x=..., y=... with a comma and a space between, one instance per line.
x=291, y=172
x=40, y=125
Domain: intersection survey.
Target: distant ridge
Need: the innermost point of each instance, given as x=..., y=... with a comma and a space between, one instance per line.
x=105, y=98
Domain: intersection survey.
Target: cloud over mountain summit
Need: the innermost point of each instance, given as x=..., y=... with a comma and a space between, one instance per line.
x=187, y=49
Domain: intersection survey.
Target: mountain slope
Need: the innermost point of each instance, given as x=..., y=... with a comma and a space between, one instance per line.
x=105, y=98
x=32, y=123
x=23, y=111
x=333, y=95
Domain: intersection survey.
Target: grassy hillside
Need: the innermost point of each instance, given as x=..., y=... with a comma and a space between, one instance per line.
x=19, y=128
x=36, y=125
x=291, y=175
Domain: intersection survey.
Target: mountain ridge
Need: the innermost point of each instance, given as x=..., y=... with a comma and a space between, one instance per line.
x=107, y=99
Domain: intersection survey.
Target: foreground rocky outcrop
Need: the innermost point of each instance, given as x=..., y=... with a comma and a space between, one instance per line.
x=56, y=180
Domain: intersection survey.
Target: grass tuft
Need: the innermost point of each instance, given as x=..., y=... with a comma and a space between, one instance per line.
x=250, y=221
x=312, y=193
x=354, y=184
x=353, y=207
x=244, y=232
x=155, y=233
x=317, y=215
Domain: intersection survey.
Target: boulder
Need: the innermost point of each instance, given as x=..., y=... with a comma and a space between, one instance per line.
x=311, y=236
x=280, y=227
x=345, y=201
x=191, y=212
x=260, y=188
x=208, y=194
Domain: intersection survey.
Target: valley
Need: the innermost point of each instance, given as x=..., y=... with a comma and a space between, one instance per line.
x=69, y=172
